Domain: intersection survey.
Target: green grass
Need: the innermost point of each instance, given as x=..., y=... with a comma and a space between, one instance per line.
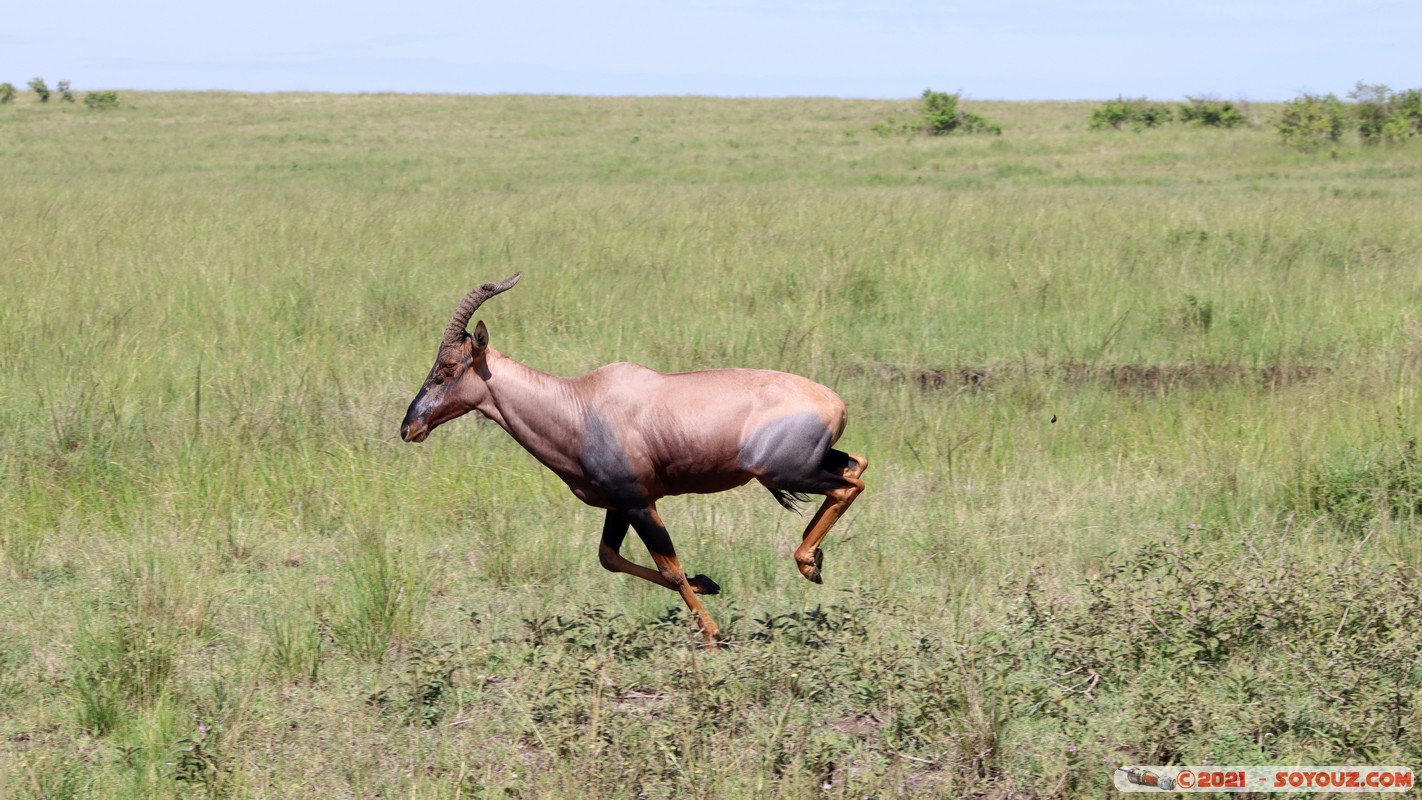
x=1085, y=367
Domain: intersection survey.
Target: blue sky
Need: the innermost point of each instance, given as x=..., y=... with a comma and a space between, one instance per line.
x=1008, y=49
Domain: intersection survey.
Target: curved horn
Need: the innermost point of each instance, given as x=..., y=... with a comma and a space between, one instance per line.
x=470, y=303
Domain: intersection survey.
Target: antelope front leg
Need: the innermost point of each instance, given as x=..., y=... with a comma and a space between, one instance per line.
x=808, y=556
x=648, y=525
x=614, y=529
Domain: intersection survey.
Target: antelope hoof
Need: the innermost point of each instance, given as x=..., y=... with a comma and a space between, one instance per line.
x=811, y=571
x=704, y=585
x=710, y=634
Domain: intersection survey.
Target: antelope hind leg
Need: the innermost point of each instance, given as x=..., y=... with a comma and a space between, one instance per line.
x=808, y=556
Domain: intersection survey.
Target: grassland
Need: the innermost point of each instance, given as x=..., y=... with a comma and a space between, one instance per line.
x=1141, y=413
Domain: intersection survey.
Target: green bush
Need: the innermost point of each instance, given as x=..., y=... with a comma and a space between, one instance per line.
x=1312, y=121
x=940, y=115
x=1138, y=113
x=7, y=93
x=39, y=87
x=1385, y=116
x=101, y=101
x=64, y=93
x=1408, y=105
x=1209, y=113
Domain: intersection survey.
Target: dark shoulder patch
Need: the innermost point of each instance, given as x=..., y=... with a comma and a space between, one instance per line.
x=606, y=465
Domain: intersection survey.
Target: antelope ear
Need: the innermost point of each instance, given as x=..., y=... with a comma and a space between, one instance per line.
x=481, y=337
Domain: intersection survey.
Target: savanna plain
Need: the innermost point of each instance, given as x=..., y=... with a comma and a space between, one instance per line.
x=1141, y=412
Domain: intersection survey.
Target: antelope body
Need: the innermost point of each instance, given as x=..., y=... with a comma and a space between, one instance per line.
x=624, y=436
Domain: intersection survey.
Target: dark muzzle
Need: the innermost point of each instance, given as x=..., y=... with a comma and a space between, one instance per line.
x=415, y=428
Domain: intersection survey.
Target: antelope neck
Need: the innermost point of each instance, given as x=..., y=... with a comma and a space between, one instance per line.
x=542, y=412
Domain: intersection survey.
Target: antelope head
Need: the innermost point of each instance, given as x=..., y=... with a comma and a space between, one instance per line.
x=455, y=385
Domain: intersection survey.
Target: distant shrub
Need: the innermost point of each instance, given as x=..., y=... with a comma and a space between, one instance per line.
x=940, y=115
x=7, y=93
x=1209, y=113
x=1409, y=107
x=1312, y=121
x=64, y=93
x=101, y=101
x=1138, y=113
x=39, y=87
x=1384, y=116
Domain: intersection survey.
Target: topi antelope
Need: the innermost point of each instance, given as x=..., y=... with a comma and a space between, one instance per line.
x=624, y=436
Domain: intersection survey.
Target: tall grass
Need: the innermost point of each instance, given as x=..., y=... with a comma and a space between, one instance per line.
x=223, y=574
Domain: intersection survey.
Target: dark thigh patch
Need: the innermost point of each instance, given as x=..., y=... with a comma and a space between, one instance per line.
x=606, y=465
x=788, y=449
x=838, y=462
